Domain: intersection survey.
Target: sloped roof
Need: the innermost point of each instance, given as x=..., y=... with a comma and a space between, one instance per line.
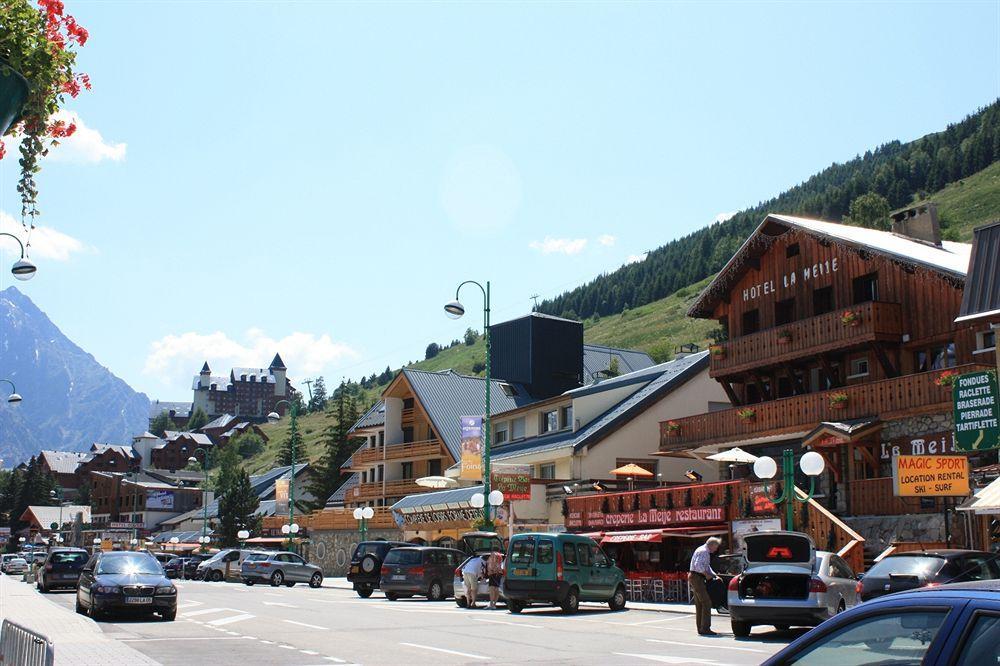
x=197, y=437
x=63, y=462
x=221, y=383
x=951, y=259
x=337, y=498
x=598, y=357
x=447, y=396
x=219, y=422
x=98, y=448
x=46, y=515
x=263, y=375
x=375, y=416
x=180, y=409
x=452, y=498
x=982, y=289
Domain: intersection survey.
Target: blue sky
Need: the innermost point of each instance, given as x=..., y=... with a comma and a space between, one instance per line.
x=316, y=177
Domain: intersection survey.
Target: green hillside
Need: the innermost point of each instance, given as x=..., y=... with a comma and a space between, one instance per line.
x=969, y=203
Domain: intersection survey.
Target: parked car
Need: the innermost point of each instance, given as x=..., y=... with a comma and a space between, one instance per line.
x=174, y=568
x=216, y=567
x=905, y=571
x=482, y=590
x=279, y=569
x=787, y=582
x=419, y=571
x=477, y=543
x=17, y=566
x=954, y=625
x=7, y=557
x=61, y=569
x=162, y=557
x=728, y=567
x=366, y=565
x=125, y=581
x=191, y=563
x=562, y=569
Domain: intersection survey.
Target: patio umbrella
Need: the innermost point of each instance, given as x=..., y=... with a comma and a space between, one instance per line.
x=631, y=469
x=734, y=455
x=437, y=482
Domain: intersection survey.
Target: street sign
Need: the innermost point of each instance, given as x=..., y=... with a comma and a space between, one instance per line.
x=930, y=476
x=977, y=411
x=513, y=480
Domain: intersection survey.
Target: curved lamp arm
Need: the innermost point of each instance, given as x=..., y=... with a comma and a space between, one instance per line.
x=776, y=500
x=13, y=389
x=459, y=288
x=4, y=233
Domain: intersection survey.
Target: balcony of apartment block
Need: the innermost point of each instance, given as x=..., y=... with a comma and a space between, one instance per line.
x=868, y=323
x=909, y=395
x=375, y=489
x=406, y=451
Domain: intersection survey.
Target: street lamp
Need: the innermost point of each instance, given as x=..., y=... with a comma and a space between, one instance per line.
x=204, y=500
x=134, y=543
x=274, y=417
x=494, y=499
x=243, y=535
x=97, y=543
x=455, y=309
x=174, y=541
x=22, y=269
x=363, y=514
x=812, y=465
x=14, y=398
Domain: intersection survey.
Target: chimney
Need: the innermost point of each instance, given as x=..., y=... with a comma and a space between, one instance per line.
x=918, y=222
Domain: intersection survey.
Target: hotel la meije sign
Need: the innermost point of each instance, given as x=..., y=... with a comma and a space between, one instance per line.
x=790, y=279
x=646, y=517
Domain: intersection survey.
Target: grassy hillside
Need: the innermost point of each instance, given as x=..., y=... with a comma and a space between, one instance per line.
x=970, y=202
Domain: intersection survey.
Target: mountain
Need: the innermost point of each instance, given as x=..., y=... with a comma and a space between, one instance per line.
x=70, y=400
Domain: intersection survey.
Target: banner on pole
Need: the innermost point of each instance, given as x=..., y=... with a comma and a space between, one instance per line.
x=472, y=448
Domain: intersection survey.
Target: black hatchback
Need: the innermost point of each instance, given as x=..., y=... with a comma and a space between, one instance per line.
x=61, y=569
x=913, y=569
x=126, y=582
x=366, y=565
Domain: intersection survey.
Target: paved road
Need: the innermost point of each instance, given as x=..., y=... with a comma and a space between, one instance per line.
x=222, y=623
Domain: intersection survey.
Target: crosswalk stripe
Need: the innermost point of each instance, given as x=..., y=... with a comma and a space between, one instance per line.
x=229, y=620
x=207, y=611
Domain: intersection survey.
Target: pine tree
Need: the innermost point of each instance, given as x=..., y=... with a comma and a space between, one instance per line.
x=227, y=460
x=318, y=401
x=248, y=445
x=160, y=424
x=197, y=419
x=237, y=508
x=292, y=439
x=337, y=447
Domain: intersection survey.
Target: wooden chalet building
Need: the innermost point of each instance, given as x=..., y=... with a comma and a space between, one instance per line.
x=839, y=339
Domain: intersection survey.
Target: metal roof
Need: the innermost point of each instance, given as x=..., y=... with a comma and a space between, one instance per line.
x=180, y=409
x=337, y=498
x=46, y=515
x=63, y=462
x=219, y=422
x=598, y=357
x=375, y=416
x=982, y=288
x=453, y=498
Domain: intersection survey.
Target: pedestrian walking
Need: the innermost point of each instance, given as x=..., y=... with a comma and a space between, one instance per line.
x=699, y=575
x=494, y=572
x=471, y=573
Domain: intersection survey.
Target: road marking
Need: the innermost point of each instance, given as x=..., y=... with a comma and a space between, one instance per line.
x=266, y=642
x=189, y=603
x=278, y=603
x=304, y=624
x=287, y=647
x=513, y=624
x=455, y=652
x=703, y=645
x=175, y=638
x=664, y=619
x=668, y=660
x=309, y=652
x=207, y=611
x=272, y=594
x=229, y=620
x=339, y=661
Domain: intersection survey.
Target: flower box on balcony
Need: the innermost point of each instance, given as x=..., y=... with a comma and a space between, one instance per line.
x=747, y=414
x=839, y=400
x=946, y=378
x=784, y=337
x=851, y=318
x=673, y=429
x=718, y=351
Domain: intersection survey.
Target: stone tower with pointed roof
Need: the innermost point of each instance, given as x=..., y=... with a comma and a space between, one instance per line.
x=246, y=393
x=278, y=369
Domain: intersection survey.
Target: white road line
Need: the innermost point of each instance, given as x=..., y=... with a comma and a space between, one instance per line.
x=513, y=624
x=304, y=624
x=272, y=594
x=190, y=603
x=287, y=647
x=229, y=620
x=455, y=652
x=266, y=642
x=662, y=619
x=207, y=611
x=711, y=646
x=175, y=638
x=339, y=661
x=663, y=659
x=278, y=603
x=309, y=652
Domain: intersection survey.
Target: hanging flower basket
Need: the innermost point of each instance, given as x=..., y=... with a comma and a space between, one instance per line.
x=850, y=318
x=839, y=400
x=747, y=414
x=673, y=429
x=947, y=378
x=784, y=336
x=718, y=351
x=13, y=93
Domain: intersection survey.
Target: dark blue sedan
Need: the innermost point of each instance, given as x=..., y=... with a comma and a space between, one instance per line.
x=957, y=625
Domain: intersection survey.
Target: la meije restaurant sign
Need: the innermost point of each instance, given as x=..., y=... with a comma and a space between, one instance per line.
x=584, y=518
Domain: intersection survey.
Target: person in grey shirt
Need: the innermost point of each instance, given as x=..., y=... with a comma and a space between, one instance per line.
x=700, y=573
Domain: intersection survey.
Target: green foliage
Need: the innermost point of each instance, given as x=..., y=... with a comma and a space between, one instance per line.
x=227, y=462
x=614, y=367
x=338, y=446
x=161, y=423
x=22, y=488
x=318, y=401
x=237, y=508
x=197, y=420
x=433, y=349
x=248, y=445
x=291, y=447
x=478, y=368
x=471, y=335
x=870, y=210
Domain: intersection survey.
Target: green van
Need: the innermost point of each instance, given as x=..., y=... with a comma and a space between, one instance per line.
x=562, y=569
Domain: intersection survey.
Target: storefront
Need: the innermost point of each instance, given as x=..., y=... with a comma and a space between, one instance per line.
x=441, y=518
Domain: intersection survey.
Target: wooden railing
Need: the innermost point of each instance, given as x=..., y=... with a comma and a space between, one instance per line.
x=829, y=532
x=335, y=519
x=874, y=497
x=806, y=337
x=366, y=491
x=430, y=448
x=909, y=395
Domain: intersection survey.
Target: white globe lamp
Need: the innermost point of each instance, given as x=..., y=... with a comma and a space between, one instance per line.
x=765, y=467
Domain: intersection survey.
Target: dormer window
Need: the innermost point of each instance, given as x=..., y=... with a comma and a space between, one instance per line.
x=508, y=389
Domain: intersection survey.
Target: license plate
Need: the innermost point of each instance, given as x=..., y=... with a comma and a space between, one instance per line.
x=138, y=600
x=522, y=572
x=354, y=569
x=399, y=577
x=67, y=576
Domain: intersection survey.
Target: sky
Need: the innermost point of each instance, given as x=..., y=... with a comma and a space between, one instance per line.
x=315, y=178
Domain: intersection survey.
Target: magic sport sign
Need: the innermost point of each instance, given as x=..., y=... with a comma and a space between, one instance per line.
x=977, y=417
x=930, y=476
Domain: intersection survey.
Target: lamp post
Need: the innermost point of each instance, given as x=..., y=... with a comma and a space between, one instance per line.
x=273, y=417
x=494, y=499
x=174, y=541
x=57, y=494
x=243, y=535
x=22, y=269
x=812, y=464
x=290, y=530
x=362, y=514
x=455, y=309
x=97, y=543
x=14, y=398
x=204, y=469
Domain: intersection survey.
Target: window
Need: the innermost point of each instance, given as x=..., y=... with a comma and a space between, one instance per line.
x=407, y=434
x=522, y=551
x=982, y=645
x=550, y=421
x=547, y=471
x=784, y=312
x=517, y=429
x=840, y=569
x=986, y=340
x=501, y=433
x=566, y=417
x=569, y=554
x=751, y=322
x=434, y=467
x=866, y=288
x=598, y=557
x=901, y=637
x=407, y=470
x=407, y=403
x=545, y=550
x=859, y=367
x=823, y=300
x=935, y=358
x=792, y=251
x=583, y=550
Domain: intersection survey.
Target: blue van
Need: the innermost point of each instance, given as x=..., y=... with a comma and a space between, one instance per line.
x=560, y=569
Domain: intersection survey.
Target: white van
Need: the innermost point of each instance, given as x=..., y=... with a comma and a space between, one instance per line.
x=224, y=563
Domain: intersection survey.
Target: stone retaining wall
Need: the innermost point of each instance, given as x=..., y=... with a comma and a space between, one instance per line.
x=332, y=549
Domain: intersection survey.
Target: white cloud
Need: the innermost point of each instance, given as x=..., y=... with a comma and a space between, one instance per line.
x=559, y=245
x=305, y=354
x=85, y=146
x=636, y=258
x=607, y=240
x=46, y=243
x=722, y=217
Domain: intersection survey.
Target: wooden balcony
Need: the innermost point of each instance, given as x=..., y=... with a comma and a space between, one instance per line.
x=878, y=322
x=425, y=450
x=375, y=489
x=873, y=497
x=335, y=519
x=909, y=395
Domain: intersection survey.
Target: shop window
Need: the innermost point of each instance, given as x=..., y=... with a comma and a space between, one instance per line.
x=550, y=421
x=866, y=288
x=986, y=340
x=859, y=368
x=517, y=429
x=784, y=312
x=547, y=471
x=569, y=554
x=823, y=300
x=751, y=322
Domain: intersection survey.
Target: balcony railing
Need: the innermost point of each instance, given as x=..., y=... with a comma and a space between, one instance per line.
x=368, y=457
x=366, y=491
x=806, y=337
x=874, y=497
x=889, y=398
x=335, y=519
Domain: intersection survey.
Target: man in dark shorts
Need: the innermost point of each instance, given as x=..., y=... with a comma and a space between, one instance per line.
x=494, y=572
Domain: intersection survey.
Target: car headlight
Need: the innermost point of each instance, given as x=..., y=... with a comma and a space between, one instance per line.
x=166, y=589
x=108, y=589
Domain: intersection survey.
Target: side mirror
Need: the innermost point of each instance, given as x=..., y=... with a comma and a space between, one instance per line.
x=860, y=576
x=87, y=570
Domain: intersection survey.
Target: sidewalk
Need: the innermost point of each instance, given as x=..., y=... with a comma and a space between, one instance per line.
x=688, y=609
x=77, y=639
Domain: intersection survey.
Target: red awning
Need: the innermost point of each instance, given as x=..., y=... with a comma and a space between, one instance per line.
x=657, y=535
x=267, y=540
x=593, y=535
x=643, y=536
